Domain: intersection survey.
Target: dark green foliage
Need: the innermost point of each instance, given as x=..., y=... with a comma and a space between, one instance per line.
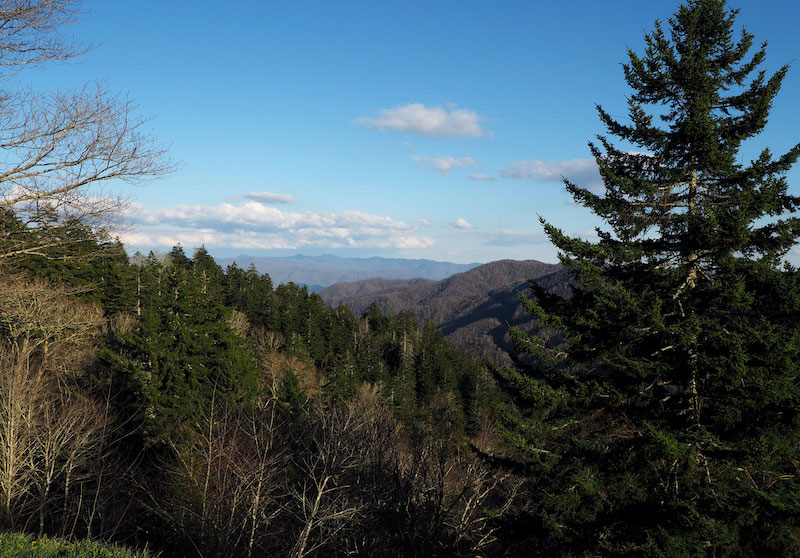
x=182, y=349
x=252, y=294
x=375, y=320
x=95, y=267
x=178, y=257
x=292, y=394
x=117, y=282
x=665, y=421
x=340, y=380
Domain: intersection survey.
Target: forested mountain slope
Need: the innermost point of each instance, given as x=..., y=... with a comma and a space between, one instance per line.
x=470, y=308
x=369, y=288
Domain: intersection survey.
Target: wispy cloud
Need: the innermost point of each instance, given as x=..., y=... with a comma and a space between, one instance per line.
x=582, y=172
x=508, y=237
x=254, y=225
x=462, y=224
x=481, y=177
x=270, y=197
x=588, y=234
x=416, y=118
x=443, y=164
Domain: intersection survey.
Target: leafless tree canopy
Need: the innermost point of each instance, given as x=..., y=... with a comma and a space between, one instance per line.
x=30, y=32
x=58, y=149
x=48, y=429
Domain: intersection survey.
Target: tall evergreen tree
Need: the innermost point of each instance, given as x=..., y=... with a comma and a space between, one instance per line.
x=663, y=421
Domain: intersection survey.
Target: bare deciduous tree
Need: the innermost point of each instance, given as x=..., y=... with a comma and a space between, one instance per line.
x=224, y=483
x=239, y=323
x=322, y=500
x=58, y=149
x=46, y=429
x=67, y=437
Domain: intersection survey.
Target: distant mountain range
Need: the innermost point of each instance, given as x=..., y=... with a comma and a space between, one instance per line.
x=471, y=308
x=318, y=272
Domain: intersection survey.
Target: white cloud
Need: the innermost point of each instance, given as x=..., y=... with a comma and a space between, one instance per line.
x=481, y=177
x=270, y=197
x=257, y=216
x=253, y=225
x=423, y=222
x=136, y=238
x=443, y=164
x=165, y=237
x=581, y=172
x=412, y=242
x=416, y=118
x=462, y=224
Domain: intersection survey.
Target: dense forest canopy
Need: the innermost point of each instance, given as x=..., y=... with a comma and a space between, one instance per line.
x=219, y=408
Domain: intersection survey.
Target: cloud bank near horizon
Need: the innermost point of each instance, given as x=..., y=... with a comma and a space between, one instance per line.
x=255, y=225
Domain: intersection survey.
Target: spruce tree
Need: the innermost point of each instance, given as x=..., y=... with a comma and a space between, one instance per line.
x=662, y=419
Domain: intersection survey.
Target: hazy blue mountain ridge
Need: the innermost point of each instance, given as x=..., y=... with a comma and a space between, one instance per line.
x=327, y=270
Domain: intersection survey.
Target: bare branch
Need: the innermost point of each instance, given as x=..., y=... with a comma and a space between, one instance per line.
x=30, y=32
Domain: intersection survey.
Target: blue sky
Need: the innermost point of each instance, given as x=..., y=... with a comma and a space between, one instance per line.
x=410, y=129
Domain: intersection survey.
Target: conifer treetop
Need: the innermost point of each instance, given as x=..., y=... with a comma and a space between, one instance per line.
x=681, y=199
